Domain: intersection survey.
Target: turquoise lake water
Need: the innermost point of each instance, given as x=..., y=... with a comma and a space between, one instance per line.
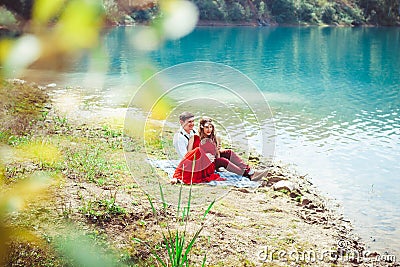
x=334, y=95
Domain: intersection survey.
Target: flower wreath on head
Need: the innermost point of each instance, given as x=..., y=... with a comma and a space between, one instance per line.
x=207, y=122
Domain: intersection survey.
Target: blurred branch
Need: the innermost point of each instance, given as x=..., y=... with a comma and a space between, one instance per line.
x=56, y=30
x=21, y=8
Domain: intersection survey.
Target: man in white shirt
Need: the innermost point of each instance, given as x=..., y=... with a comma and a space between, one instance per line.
x=181, y=141
x=181, y=138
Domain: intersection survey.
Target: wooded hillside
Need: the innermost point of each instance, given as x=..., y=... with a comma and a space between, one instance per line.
x=265, y=12
x=293, y=12
x=256, y=12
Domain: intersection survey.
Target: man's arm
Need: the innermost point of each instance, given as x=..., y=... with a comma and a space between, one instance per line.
x=190, y=145
x=180, y=144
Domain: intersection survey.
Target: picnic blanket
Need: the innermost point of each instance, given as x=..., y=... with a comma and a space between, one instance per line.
x=232, y=179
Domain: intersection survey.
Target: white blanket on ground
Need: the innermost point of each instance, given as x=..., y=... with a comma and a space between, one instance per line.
x=232, y=179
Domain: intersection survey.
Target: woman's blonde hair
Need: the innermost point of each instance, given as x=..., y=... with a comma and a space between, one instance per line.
x=202, y=123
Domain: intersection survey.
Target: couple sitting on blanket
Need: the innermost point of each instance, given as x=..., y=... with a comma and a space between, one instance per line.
x=202, y=154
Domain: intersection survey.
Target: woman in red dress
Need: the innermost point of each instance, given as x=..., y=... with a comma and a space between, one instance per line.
x=198, y=165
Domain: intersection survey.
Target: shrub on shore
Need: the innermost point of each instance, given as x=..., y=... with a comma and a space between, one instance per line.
x=283, y=12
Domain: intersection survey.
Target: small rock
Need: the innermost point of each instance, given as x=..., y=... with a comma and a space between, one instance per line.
x=254, y=158
x=272, y=180
x=243, y=190
x=311, y=206
x=19, y=81
x=284, y=185
x=51, y=85
x=305, y=202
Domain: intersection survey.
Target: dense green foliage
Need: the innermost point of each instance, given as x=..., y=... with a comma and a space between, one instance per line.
x=303, y=12
x=314, y=12
x=334, y=12
x=376, y=12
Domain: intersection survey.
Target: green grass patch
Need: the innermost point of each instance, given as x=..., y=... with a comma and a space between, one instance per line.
x=91, y=164
x=101, y=209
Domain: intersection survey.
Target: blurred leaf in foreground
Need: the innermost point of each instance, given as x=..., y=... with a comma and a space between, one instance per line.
x=13, y=200
x=59, y=29
x=79, y=250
